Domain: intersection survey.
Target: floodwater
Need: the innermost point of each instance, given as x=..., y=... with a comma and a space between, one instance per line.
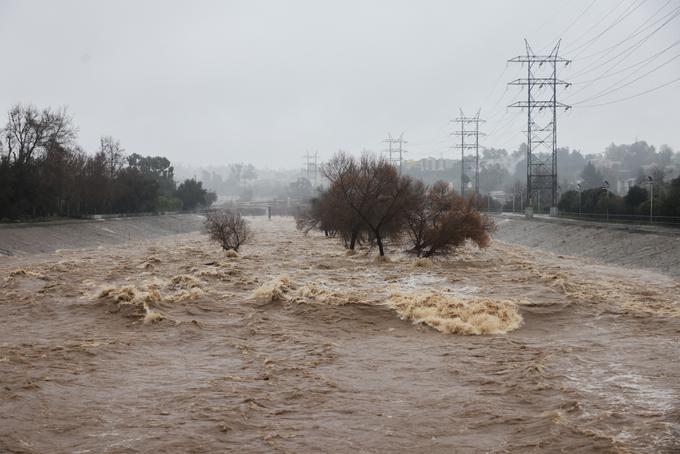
x=170, y=345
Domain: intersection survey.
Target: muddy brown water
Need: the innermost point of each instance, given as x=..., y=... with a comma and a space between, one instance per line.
x=593, y=367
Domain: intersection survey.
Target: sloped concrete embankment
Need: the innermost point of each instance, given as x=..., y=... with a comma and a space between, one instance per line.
x=636, y=249
x=33, y=238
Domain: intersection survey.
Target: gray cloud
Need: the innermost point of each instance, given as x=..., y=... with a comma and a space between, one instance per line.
x=217, y=82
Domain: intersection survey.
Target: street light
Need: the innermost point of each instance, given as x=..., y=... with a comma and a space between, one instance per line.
x=578, y=185
x=514, y=195
x=606, y=188
x=650, y=181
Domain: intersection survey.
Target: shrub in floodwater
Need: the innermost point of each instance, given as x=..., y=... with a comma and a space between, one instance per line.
x=441, y=221
x=228, y=229
x=365, y=201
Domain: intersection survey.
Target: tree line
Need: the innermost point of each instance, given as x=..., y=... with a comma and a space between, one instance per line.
x=45, y=173
x=369, y=202
x=637, y=202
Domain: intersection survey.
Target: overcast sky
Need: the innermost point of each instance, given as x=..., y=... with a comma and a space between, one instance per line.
x=216, y=82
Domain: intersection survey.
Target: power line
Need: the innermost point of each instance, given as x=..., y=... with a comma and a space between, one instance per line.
x=572, y=23
x=640, y=63
x=636, y=32
x=631, y=48
x=503, y=125
x=633, y=96
x=602, y=19
x=631, y=9
x=612, y=90
x=577, y=18
x=508, y=129
x=500, y=107
x=495, y=85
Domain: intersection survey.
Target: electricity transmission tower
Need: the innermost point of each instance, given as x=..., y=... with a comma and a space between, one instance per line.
x=396, y=147
x=468, y=165
x=311, y=166
x=541, y=139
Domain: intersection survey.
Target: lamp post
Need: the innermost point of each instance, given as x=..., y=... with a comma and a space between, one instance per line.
x=606, y=189
x=514, y=194
x=559, y=194
x=650, y=181
x=578, y=185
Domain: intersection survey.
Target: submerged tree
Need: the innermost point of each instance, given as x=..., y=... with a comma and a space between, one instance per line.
x=442, y=221
x=370, y=196
x=228, y=229
x=368, y=200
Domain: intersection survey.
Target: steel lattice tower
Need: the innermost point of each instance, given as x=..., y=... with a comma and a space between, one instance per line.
x=311, y=167
x=464, y=145
x=398, y=151
x=541, y=166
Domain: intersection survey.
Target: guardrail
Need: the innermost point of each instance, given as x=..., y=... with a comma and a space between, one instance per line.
x=92, y=217
x=669, y=221
x=612, y=218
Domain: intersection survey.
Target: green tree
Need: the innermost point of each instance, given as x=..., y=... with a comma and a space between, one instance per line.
x=636, y=196
x=592, y=178
x=670, y=202
x=192, y=194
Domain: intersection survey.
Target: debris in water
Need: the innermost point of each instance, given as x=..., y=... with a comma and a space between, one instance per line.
x=453, y=315
x=149, y=264
x=27, y=273
x=134, y=303
x=185, y=281
x=313, y=293
x=185, y=295
x=423, y=263
x=276, y=290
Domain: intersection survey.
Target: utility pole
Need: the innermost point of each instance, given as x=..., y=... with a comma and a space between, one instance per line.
x=651, y=199
x=307, y=156
x=472, y=132
x=605, y=186
x=541, y=162
x=398, y=149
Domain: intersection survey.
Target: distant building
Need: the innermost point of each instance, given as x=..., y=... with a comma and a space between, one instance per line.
x=603, y=163
x=623, y=186
x=434, y=164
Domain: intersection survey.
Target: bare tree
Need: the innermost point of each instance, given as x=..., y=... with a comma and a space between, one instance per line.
x=322, y=213
x=337, y=205
x=228, y=229
x=374, y=192
x=441, y=221
x=115, y=154
x=30, y=132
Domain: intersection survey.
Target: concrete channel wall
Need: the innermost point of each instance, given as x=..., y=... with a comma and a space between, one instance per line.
x=33, y=238
x=648, y=248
